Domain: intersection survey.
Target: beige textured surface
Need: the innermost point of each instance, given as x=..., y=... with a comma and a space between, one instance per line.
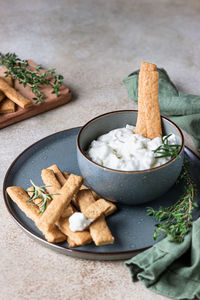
x=94, y=44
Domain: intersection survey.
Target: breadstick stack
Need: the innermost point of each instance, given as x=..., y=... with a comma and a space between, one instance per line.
x=148, y=121
x=69, y=195
x=9, y=96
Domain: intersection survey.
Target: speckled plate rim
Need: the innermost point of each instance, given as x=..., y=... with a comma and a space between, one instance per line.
x=58, y=247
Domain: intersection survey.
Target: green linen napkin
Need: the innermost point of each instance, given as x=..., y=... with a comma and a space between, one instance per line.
x=170, y=269
x=183, y=109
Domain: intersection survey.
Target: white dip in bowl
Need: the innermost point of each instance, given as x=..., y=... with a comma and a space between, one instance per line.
x=121, y=149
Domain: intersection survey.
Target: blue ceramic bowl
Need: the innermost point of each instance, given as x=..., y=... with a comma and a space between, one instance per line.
x=128, y=187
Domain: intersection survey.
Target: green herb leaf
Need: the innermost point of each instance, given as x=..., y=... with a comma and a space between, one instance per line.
x=177, y=217
x=39, y=192
x=166, y=150
x=17, y=68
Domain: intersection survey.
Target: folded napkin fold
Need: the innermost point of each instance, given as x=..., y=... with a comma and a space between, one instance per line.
x=183, y=109
x=170, y=269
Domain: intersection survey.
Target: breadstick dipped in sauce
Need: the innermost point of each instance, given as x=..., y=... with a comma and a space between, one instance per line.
x=148, y=121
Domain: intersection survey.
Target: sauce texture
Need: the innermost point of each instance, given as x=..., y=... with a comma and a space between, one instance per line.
x=122, y=149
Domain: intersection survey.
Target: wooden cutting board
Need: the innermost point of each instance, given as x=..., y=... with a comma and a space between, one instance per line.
x=50, y=102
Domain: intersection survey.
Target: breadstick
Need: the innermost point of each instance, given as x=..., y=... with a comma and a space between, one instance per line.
x=150, y=84
x=65, y=174
x=96, y=209
x=84, y=200
x=141, y=127
x=68, y=211
x=145, y=66
x=63, y=222
x=10, y=82
x=80, y=238
x=74, y=200
x=112, y=208
x=2, y=95
x=58, y=174
x=100, y=232
x=60, y=201
x=53, y=186
x=7, y=106
x=20, y=197
x=71, y=243
x=55, y=235
x=13, y=95
x=96, y=196
x=50, y=181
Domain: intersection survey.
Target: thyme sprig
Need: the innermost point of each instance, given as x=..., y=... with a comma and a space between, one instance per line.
x=166, y=149
x=176, y=219
x=19, y=69
x=39, y=192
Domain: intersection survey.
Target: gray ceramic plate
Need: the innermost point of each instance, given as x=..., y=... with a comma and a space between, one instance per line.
x=132, y=228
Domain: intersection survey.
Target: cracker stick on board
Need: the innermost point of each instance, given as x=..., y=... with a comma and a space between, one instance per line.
x=2, y=95
x=61, y=200
x=20, y=197
x=7, y=106
x=150, y=85
x=10, y=82
x=13, y=95
x=141, y=127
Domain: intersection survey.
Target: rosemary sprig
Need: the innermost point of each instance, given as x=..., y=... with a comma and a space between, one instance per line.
x=167, y=150
x=19, y=70
x=39, y=192
x=176, y=219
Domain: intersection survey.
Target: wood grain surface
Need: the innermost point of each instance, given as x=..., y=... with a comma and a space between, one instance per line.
x=50, y=102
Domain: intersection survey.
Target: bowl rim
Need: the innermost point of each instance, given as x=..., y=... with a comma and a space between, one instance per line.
x=121, y=171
